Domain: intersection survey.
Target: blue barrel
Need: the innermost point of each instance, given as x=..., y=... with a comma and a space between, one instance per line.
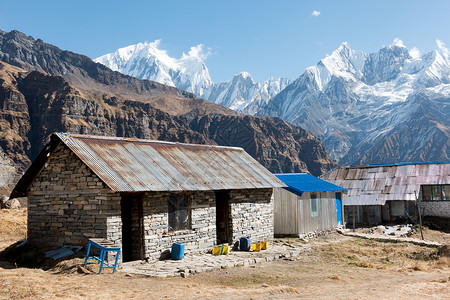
x=177, y=251
x=244, y=244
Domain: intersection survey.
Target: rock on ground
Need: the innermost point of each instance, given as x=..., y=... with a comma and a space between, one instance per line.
x=7, y=203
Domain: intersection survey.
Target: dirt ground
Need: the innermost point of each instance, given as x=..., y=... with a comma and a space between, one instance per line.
x=335, y=267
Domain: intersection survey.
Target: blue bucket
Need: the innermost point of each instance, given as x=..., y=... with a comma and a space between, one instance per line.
x=177, y=251
x=244, y=244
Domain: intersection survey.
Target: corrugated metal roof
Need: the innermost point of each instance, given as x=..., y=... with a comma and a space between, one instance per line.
x=401, y=164
x=376, y=184
x=130, y=164
x=300, y=183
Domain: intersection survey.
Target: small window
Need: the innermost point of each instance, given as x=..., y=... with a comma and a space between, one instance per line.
x=314, y=205
x=426, y=193
x=436, y=192
x=446, y=192
x=179, y=215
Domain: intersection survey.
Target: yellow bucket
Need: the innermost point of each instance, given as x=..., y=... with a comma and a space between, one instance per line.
x=226, y=249
x=256, y=247
x=264, y=245
x=217, y=250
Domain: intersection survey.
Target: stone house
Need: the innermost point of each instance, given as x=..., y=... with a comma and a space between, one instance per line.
x=386, y=192
x=307, y=207
x=143, y=195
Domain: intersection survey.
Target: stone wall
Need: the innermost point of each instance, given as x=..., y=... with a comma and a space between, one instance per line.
x=201, y=235
x=252, y=214
x=68, y=204
x=435, y=208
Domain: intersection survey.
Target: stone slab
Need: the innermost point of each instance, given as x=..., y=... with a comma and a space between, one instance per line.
x=195, y=263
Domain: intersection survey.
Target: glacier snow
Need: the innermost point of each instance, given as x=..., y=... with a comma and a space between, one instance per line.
x=148, y=61
x=358, y=103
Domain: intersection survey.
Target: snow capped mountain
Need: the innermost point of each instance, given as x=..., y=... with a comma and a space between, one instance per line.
x=388, y=106
x=344, y=62
x=243, y=94
x=148, y=61
x=359, y=103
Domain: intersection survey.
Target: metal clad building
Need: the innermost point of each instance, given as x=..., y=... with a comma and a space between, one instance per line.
x=307, y=205
x=386, y=191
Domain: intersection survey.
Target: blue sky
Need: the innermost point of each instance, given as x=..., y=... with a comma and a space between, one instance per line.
x=264, y=38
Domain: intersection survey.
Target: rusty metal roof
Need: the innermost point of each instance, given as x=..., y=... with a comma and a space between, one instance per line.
x=374, y=185
x=130, y=164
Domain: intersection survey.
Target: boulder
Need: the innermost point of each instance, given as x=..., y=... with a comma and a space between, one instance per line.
x=7, y=203
x=444, y=250
x=3, y=200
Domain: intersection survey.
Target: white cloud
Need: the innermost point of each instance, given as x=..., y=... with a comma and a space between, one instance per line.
x=155, y=43
x=441, y=46
x=414, y=52
x=198, y=51
x=398, y=42
x=315, y=13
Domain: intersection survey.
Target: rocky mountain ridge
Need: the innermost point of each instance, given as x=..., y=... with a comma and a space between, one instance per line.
x=358, y=103
x=147, y=61
x=381, y=107
x=86, y=98
x=29, y=54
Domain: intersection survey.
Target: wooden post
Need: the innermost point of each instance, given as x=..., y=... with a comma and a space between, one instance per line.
x=420, y=216
x=354, y=217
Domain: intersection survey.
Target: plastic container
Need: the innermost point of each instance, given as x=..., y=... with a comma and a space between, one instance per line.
x=264, y=245
x=256, y=247
x=217, y=250
x=226, y=249
x=244, y=244
x=177, y=252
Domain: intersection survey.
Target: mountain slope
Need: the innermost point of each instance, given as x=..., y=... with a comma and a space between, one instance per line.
x=92, y=99
x=242, y=94
x=360, y=104
x=291, y=148
x=34, y=55
x=38, y=104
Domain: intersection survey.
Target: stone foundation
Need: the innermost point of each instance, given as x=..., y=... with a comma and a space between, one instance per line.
x=309, y=235
x=435, y=208
x=316, y=234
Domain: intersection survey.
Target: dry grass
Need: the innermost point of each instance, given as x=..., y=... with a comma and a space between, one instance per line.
x=384, y=255
x=12, y=226
x=443, y=261
x=346, y=268
x=433, y=235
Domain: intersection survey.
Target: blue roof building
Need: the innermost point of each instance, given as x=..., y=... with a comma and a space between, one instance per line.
x=300, y=183
x=307, y=207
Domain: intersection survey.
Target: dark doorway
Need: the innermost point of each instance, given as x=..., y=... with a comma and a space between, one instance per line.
x=132, y=227
x=223, y=217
